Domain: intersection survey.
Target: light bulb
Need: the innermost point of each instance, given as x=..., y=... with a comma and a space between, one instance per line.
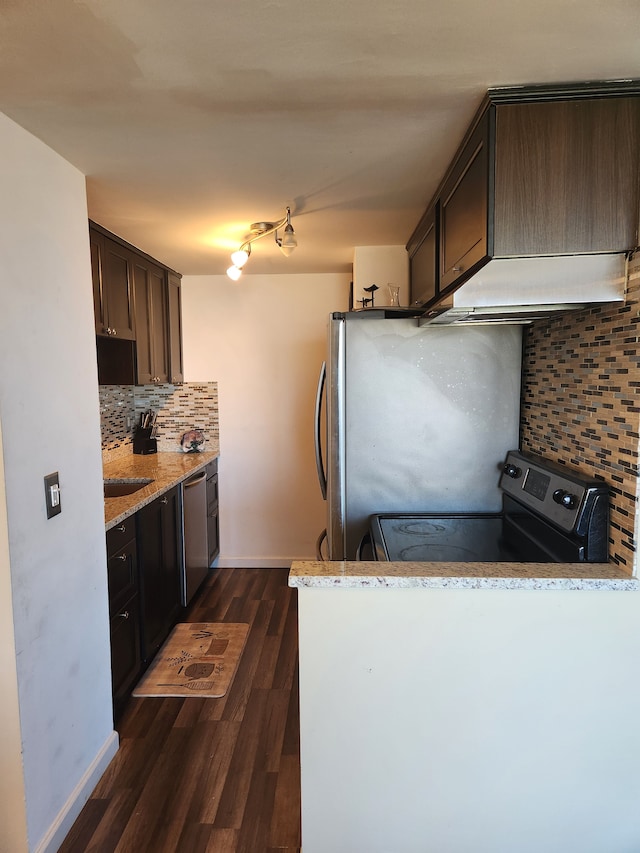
x=234, y=272
x=289, y=241
x=240, y=258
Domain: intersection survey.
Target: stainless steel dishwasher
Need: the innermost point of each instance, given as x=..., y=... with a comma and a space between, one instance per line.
x=196, y=549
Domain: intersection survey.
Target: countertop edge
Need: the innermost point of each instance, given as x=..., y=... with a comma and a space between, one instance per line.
x=531, y=576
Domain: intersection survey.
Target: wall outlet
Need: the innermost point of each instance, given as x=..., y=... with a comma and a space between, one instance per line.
x=52, y=494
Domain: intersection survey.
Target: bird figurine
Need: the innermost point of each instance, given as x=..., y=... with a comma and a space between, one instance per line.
x=372, y=289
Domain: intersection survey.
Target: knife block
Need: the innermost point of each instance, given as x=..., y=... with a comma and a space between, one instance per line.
x=143, y=443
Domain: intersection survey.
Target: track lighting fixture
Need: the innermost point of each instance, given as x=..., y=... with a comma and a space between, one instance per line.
x=287, y=242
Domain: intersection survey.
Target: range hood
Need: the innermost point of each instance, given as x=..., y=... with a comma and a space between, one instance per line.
x=521, y=290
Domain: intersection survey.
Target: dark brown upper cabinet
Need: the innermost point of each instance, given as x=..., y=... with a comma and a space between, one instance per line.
x=542, y=171
x=137, y=304
x=423, y=260
x=112, y=293
x=152, y=322
x=464, y=207
x=174, y=287
x=566, y=177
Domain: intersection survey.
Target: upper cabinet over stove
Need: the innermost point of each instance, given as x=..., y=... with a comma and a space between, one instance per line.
x=542, y=171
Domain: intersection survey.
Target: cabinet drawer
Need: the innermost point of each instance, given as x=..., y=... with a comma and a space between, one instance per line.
x=118, y=536
x=212, y=468
x=122, y=572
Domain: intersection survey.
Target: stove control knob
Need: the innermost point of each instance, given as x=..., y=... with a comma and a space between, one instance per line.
x=512, y=471
x=565, y=499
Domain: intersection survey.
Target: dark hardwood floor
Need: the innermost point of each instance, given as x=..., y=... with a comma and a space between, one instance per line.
x=215, y=775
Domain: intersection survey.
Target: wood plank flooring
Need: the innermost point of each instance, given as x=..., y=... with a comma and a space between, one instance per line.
x=202, y=775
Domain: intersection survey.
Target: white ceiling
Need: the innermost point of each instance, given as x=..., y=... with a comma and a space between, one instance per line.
x=194, y=118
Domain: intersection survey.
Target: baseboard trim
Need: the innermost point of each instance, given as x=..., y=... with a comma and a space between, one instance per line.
x=255, y=563
x=67, y=815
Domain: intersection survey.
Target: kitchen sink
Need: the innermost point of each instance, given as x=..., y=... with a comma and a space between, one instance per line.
x=118, y=488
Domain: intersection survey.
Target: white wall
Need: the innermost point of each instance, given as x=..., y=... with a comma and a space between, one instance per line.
x=380, y=265
x=263, y=339
x=50, y=420
x=459, y=720
x=13, y=816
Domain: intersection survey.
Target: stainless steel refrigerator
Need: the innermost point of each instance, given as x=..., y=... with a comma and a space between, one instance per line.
x=412, y=419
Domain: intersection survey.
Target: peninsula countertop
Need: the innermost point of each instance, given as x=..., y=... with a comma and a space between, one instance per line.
x=165, y=469
x=372, y=575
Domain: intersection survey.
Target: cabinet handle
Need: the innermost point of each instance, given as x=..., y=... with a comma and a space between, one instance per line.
x=123, y=557
x=124, y=615
x=122, y=528
x=457, y=269
x=164, y=501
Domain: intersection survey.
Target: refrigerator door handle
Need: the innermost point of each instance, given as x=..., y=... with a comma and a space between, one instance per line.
x=322, y=476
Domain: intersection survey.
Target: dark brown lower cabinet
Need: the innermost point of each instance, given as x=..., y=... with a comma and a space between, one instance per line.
x=160, y=553
x=125, y=652
x=124, y=610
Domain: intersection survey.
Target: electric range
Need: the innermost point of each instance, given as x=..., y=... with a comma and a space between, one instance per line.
x=550, y=513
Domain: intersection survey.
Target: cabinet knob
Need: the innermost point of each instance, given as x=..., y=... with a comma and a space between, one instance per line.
x=457, y=269
x=123, y=557
x=122, y=528
x=164, y=501
x=124, y=615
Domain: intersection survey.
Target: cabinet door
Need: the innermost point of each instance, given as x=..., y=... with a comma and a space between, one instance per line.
x=423, y=260
x=213, y=522
x=566, y=176
x=464, y=224
x=96, y=246
x=174, y=285
x=125, y=652
x=160, y=558
x=172, y=542
x=213, y=534
x=117, y=292
x=150, y=301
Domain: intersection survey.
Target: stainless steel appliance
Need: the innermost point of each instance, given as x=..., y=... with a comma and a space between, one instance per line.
x=196, y=545
x=412, y=419
x=549, y=514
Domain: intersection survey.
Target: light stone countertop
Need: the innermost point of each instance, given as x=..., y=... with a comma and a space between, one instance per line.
x=165, y=469
x=372, y=575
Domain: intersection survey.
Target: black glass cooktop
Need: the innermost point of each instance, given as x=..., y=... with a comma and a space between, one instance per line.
x=464, y=538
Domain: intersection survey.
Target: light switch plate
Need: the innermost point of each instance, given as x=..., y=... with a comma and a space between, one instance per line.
x=52, y=494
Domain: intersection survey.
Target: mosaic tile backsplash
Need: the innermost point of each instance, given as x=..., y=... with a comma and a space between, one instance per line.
x=179, y=407
x=581, y=402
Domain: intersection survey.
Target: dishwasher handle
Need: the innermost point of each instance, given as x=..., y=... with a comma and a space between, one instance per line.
x=198, y=478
